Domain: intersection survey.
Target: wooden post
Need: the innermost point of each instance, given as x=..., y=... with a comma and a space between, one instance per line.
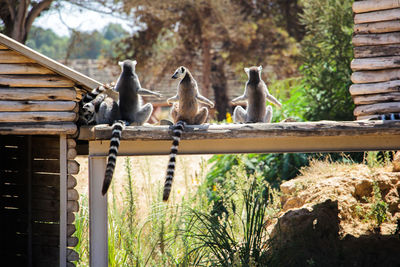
x=97, y=213
x=63, y=201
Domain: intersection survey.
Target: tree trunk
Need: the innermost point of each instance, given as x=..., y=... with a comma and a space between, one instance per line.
x=219, y=85
x=206, y=68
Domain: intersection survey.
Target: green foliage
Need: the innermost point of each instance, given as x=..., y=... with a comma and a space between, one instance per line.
x=327, y=52
x=379, y=207
x=47, y=43
x=240, y=237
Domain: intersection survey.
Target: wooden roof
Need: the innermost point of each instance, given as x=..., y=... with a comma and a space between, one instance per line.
x=86, y=82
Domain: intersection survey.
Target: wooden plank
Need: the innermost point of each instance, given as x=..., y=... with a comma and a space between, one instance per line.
x=63, y=200
x=37, y=116
x=73, y=167
x=373, y=5
x=72, y=241
x=28, y=105
x=374, y=76
x=376, y=51
x=29, y=93
x=377, y=98
x=322, y=136
x=375, y=63
x=35, y=81
x=71, y=182
x=375, y=88
x=72, y=194
x=38, y=128
x=9, y=56
x=72, y=255
x=51, y=166
x=381, y=108
x=377, y=27
x=88, y=83
x=26, y=68
x=374, y=16
x=3, y=47
x=98, y=235
x=71, y=154
x=71, y=143
x=376, y=39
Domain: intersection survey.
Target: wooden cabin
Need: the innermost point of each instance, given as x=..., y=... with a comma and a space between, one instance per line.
x=376, y=64
x=38, y=110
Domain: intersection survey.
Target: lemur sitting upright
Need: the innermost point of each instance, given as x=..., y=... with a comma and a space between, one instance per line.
x=255, y=93
x=185, y=110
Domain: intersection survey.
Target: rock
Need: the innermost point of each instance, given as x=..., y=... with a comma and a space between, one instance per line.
x=396, y=162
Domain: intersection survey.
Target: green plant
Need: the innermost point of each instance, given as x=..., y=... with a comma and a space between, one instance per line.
x=379, y=208
x=326, y=54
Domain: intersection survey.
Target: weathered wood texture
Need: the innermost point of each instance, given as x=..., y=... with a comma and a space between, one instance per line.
x=28, y=68
x=34, y=81
x=233, y=131
x=69, y=128
x=374, y=5
x=376, y=98
x=16, y=93
x=376, y=39
x=375, y=88
x=370, y=76
x=37, y=116
x=28, y=105
x=380, y=108
x=377, y=27
x=376, y=51
x=9, y=56
x=375, y=63
x=374, y=16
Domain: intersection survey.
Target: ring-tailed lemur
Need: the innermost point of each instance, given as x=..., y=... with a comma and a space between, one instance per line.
x=87, y=110
x=131, y=112
x=255, y=93
x=186, y=111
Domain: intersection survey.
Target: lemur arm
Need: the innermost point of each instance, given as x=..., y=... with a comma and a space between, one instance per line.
x=204, y=100
x=271, y=98
x=146, y=92
x=173, y=99
x=239, y=98
x=98, y=100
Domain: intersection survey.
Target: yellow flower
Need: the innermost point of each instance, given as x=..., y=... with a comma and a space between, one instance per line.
x=228, y=118
x=179, y=191
x=214, y=188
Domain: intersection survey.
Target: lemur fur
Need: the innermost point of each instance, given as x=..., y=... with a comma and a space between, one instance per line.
x=131, y=112
x=255, y=93
x=185, y=110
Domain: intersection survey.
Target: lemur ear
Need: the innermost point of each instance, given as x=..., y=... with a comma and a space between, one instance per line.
x=247, y=70
x=260, y=68
x=134, y=62
x=120, y=63
x=182, y=69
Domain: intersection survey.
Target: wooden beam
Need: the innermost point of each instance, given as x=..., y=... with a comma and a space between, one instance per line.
x=35, y=81
x=68, y=128
x=376, y=98
x=374, y=76
x=373, y=5
x=376, y=51
x=63, y=201
x=379, y=108
x=37, y=105
x=250, y=138
x=374, y=16
x=30, y=93
x=375, y=63
x=37, y=116
x=375, y=88
x=378, y=27
x=98, y=236
x=9, y=56
x=376, y=39
x=28, y=68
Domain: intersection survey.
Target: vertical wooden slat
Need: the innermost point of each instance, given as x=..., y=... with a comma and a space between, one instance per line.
x=29, y=197
x=63, y=201
x=97, y=213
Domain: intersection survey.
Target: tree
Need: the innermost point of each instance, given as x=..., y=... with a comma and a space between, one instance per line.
x=17, y=16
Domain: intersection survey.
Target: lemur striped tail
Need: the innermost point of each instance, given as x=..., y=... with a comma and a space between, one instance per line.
x=176, y=135
x=112, y=154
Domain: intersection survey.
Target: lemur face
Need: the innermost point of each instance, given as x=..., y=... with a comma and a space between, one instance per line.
x=179, y=73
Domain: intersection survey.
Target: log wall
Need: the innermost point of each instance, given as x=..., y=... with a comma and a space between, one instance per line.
x=376, y=64
x=31, y=94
